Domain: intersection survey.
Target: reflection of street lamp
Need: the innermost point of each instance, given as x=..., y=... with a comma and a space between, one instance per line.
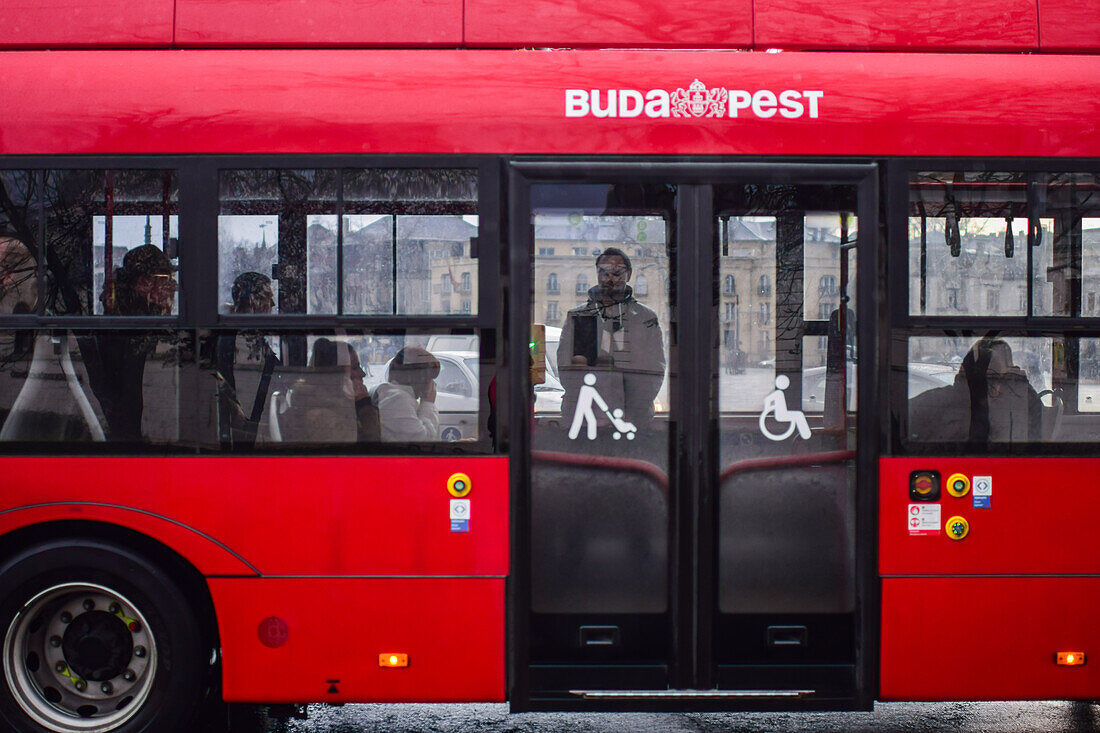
x=263, y=236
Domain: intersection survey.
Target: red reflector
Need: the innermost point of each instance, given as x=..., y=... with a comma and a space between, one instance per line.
x=1069, y=659
x=273, y=632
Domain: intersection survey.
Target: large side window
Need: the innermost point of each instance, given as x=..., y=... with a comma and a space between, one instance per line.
x=999, y=344
x=348, y=241
x=346, y=316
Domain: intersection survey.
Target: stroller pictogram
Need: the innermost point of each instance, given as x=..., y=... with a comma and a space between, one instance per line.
x=588, y=398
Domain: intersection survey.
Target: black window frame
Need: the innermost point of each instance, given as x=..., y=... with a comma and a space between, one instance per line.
x=901, y=325
x=198, y=178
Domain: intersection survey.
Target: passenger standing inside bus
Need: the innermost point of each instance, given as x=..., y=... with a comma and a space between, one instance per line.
x=615, y=338
x=145, y=285
x=245, y=364
x=406, y=403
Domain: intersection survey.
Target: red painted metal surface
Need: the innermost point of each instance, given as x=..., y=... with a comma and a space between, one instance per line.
x=988, y=638
x=609, y=24
x=986, y=25
x=1069, y=25
x=318, y=23
x=451, y=628
x=292, y=515
x=1039, y=520
x=515, y=102
x=206, y=554
x=70, y=23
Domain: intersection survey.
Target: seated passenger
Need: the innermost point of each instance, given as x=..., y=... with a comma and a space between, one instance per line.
x=406, y=403
x=991, y=401
x=330, y=404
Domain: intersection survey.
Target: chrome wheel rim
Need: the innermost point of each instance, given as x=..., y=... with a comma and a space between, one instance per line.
x=80, y=657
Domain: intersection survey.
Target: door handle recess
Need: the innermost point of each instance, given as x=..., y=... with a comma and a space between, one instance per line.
x=787, y=635
x=599, y=636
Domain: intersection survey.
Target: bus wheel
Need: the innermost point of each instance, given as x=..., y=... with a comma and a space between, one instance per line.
x=96, y=640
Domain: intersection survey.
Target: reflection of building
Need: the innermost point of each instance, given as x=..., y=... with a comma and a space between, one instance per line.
x=565, y=261
x=566, y=246
x=747, y=284
x=434, y=268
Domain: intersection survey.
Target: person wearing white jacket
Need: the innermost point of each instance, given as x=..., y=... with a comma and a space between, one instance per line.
x=406, y=403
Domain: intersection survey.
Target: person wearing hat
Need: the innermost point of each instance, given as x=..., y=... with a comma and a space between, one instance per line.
x=145, y=285
x=406, y=403
x=245, y=365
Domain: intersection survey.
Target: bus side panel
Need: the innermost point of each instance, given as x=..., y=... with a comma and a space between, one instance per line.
x=989, y=638
x=1069, y=25
x=1008, y=25
x=297, y=515
x=1039, y=518
x=205, y=554
x=318, y=23
x=324, y=637
x=425, y=102
x=71, y=23
x=631, y=23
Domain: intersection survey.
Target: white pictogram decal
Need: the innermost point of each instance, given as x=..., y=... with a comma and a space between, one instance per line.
x=697, y=101
x=586, y=414
x=775, y=404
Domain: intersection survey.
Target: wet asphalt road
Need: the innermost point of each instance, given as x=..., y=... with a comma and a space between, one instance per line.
x=886, y=718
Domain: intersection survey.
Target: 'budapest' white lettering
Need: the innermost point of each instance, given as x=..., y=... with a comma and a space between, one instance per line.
x=695, y=101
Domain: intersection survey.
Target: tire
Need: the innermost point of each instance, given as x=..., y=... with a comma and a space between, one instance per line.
x=96, y=639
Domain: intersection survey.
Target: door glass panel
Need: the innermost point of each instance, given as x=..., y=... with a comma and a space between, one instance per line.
x=786, y=478
x=603, y=288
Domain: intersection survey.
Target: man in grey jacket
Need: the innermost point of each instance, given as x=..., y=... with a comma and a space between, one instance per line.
x=617, y=339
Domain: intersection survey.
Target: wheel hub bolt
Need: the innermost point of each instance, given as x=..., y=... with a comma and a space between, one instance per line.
x=139, y=651
x=89, y=604
x=81, y=685
x=66, y=617
x=60, y=667
x=55, y=641
x=106, y=688
x=129, y=675
x=114, y=608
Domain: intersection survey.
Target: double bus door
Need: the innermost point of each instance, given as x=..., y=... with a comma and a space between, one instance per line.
x=685, y=444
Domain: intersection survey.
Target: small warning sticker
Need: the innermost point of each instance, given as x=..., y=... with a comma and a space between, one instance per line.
x=983, y=492
x=923, y=519
x=460, y=515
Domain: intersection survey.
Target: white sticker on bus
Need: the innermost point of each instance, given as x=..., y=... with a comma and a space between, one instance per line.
x=983, y=492
x=923, y=519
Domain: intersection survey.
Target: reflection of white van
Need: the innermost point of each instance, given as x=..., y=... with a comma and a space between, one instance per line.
x=456, y=392
x=453, y=342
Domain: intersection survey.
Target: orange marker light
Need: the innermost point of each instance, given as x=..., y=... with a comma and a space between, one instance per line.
x=1069, y=659
x=391, y=659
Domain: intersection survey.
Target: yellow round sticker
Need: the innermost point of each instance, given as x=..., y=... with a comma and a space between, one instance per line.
x=458, y=485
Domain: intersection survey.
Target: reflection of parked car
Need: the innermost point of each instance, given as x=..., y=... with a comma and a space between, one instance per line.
x=922, y=377
x=456, y=393
x=548, y=395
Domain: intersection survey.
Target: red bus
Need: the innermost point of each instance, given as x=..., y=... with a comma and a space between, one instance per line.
x=667, y=367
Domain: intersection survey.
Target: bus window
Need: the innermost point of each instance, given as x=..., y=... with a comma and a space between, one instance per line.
x=110, y=237
x=368, y=242
x=350, y=388
x=990, y=393
x=19, y=246
x=98, y=386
